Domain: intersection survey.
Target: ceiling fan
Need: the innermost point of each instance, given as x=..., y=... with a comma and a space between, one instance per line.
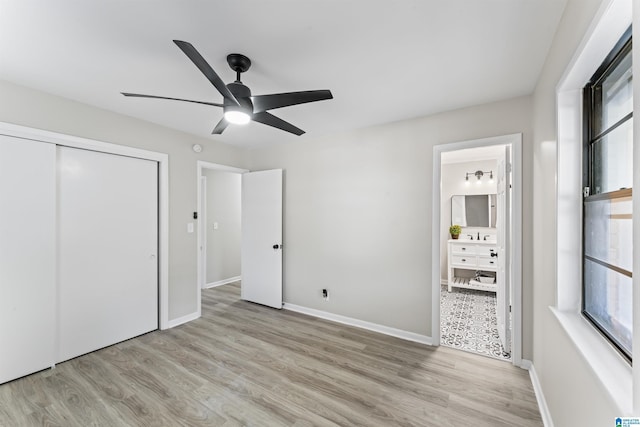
x=239, y=105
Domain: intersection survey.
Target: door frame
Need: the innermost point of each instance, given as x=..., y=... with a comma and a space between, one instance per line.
x=162, y=159
x=515, y=140
x=201, y=166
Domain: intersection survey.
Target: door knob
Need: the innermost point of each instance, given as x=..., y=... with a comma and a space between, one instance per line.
x=493, y=254
x=276, y=246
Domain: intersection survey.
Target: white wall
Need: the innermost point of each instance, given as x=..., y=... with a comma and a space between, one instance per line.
x=358, y=213
x=223, y=208
x=28, y=107
x=573, y=393
x=453, y=183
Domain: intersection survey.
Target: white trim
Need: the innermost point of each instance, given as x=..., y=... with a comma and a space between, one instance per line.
x=636, y=209
x=386, y=330
x=545, y=414
x=515, y=140
x=202, y=233
x=526, y=364
x=201, y=240
x=609, y=368
x=222, y=282
x=609, y=24
x=24, y=132
x=183, y=319
x=221, y=168
x=163, y=195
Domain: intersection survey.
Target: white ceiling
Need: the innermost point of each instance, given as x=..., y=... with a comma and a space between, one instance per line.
x=384, y=60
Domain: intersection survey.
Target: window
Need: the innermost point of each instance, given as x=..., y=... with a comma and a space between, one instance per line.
x=607, y=208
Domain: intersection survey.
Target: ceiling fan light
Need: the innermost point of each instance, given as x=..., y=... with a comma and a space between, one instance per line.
x=237, y=117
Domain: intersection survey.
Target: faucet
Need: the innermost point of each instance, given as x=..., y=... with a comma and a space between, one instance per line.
x=470, y=236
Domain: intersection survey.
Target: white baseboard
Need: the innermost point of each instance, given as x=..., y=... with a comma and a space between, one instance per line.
x=547, y=421
x=525, y=364
x=180, y=320
x=221, y=282
x=398, y=333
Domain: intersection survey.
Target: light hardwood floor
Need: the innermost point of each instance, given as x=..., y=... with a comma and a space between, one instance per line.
x=244, y=364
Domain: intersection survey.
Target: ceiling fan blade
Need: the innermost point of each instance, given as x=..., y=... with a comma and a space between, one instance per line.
x=206, y=69
x=278, y=100
x=220, y=127
x=271, y=120
x=138, y=95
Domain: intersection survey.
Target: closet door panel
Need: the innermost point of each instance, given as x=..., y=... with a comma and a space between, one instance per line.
x=108, y=268
x=27, y=256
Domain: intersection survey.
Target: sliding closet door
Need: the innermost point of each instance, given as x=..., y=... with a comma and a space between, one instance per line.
x=27, y=256
x=108, y=247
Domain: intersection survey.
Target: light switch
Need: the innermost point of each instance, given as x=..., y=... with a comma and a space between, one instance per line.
x=215, y=225
x=189, y=227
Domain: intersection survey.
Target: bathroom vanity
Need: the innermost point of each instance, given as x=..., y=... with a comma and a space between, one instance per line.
x=471, y=255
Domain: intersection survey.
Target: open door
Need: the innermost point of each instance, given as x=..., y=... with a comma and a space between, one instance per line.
x=262, y=238
x=503, y=276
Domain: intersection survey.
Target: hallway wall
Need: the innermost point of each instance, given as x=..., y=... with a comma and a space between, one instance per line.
x=223, y=209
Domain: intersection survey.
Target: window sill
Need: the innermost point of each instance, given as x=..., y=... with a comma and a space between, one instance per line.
x=609, y=367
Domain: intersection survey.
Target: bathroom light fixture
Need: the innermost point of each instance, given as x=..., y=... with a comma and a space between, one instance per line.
x=479, y=174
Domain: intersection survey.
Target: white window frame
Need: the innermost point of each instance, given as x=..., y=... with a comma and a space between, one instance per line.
x=616, y=375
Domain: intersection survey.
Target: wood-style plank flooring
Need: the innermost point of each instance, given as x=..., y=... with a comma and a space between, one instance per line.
x=242, y=364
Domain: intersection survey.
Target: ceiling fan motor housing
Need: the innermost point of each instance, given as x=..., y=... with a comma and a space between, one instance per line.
x=243, y=95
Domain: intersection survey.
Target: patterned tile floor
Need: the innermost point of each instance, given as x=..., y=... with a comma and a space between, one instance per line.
x=468, y=322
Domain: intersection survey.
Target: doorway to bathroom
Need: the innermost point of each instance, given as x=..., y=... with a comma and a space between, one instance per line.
x=477, y=280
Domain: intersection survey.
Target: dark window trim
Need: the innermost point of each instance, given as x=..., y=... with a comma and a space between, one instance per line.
x=610, y=266
x=611, y=128
x=613, y=59
x=609, y=337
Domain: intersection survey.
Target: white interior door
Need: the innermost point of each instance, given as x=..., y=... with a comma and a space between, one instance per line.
x=262, y=237
x=27, y=256
x=503, y=224
x=108, y=249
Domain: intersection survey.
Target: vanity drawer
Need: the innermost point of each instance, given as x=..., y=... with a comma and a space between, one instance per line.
x=488, y=262
x=487, y=250
x=463, y=260
x=462, y=249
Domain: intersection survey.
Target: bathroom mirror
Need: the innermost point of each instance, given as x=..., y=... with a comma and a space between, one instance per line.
x=474, y=210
